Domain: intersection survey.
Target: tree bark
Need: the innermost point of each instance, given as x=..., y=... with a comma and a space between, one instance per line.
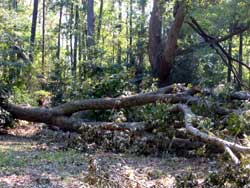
x=131, y=54
x=140, y=44
x=240, y=59
x=61, y=115
x=90, y=24
x=71, y=36
x=171, y=46
x=75, y=42
x=119, y=48
x=155, y=26
x=14, y=4
x=229, y=69
x=43, y=40
x=188, y=118
x=161, y=58
x=100, y=21
x=33, y=30
x=59, y=32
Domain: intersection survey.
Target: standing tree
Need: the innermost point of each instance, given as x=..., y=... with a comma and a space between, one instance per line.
x=43, y=40
x=131, y=55
x=33, y=30
x=240, y=59
x=119, y=26
x=59, y=32
x=230, y=42
x=140, y=42
x=75, y=42
x=100, y=20
x=162, y=54
x=90, y=27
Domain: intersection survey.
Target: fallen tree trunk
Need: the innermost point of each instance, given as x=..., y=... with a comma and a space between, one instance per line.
x=241, y=95
x=58, y=114
x=61, y=116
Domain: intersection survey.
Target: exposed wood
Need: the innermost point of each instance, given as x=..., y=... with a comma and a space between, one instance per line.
x=232, y=155
x=60, y=116
x=189, y=116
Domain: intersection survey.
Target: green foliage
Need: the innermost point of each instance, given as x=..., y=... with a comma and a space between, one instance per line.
x=153, y=113
x=229, y=176
x=111, y=86
x=21, y=96
x=101, y=71
x=186, y=180
x=237, y=124
x=6, y=119
x=205, y=124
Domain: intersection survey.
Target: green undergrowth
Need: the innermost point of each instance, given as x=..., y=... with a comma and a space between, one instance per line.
x=11, y=158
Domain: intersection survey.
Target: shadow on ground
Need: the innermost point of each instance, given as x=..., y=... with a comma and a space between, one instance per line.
x=41, y=159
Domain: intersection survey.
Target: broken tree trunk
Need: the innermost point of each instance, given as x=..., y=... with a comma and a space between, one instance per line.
x=61, y=116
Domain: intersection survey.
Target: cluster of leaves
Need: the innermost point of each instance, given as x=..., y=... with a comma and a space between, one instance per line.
x=186, y=180
x=153, y=113
x=229, y=176
x=6, y=120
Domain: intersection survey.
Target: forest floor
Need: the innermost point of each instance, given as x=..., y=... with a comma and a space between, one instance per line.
x=34, y=157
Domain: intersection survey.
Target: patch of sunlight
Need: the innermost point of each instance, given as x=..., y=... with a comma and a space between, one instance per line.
x=61, y=157
x=13, y=158
x=17, y=146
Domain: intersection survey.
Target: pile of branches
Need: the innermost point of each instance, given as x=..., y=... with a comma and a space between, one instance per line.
x=178, y=95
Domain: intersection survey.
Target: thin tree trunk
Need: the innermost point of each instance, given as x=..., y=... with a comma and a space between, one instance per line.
x=100, y=21
x=229, y=70
x=59, y=32
x=14, y=4
x=90, y=24
x=71, y=37
x=140, y=45
x=43, y=40
x=75, y=41
x=33, y=30
x=240, y=59
x=127, y=34
x=131, y=55
x=119, y=48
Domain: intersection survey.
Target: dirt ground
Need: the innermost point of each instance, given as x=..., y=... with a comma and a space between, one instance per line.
x=36, y=157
